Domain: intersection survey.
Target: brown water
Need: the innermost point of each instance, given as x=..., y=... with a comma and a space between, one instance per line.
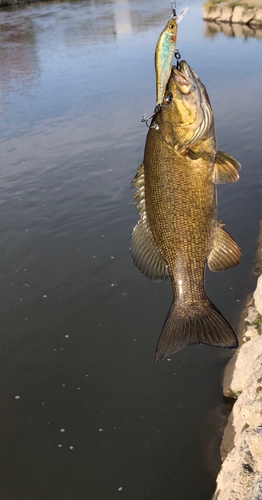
x=86, y=413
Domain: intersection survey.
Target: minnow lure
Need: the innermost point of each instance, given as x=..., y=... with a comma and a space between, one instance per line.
x=164, y=53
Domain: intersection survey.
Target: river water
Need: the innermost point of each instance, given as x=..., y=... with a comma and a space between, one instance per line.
x=86, y=413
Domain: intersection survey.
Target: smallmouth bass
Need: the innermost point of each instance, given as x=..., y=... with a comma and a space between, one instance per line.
x=178, y=231
x=164, y=54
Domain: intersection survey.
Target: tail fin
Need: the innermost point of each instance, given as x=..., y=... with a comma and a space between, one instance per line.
x=184, y=327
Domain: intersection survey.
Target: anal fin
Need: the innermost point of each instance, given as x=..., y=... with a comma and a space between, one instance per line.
x=225, y=252
x=225, y=168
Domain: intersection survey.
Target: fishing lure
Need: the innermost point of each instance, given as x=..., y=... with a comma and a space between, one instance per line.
x=164, y=53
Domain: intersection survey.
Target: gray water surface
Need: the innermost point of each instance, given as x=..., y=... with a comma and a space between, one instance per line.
x=86, y=413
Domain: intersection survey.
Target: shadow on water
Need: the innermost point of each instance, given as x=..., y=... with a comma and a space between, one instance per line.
x=212, y=29
x=85, y=411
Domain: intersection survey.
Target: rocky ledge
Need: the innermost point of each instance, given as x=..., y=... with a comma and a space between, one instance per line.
x=230, y=13
x=240, y=477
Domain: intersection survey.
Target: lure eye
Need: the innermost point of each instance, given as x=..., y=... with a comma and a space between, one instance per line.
x=171, y=26
x=169, y=98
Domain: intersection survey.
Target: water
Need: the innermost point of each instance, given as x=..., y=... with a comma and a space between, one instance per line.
x=85, y=410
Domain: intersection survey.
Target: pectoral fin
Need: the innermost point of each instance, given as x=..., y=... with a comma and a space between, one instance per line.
x=225, y=252
x=225, y=168
x=144, y=251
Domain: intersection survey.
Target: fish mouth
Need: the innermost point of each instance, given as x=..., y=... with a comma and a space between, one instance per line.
x=184, y=76
x=187, y=81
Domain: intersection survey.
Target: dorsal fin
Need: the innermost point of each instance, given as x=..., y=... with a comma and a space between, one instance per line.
x=143, y=248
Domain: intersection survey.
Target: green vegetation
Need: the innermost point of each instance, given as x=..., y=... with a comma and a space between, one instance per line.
x=233, y=4
x=258, y=323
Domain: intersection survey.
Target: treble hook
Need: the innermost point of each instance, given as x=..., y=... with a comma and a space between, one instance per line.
x=146, y=119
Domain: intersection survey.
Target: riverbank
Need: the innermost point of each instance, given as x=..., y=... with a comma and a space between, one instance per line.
x=249, y=12
x=240, y=477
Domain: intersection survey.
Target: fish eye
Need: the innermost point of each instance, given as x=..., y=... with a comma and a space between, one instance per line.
x=168, y=98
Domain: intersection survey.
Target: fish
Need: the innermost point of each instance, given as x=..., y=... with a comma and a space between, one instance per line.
x=164, y=54
x=178, y=230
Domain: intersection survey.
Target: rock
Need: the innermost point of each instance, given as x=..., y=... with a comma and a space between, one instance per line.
x=250, y=333
x=241, y=366
x=236, y=475
x=212, y=13
x=227, y=443
x=251, y=315
x=257, y=19
x=247, y=411
x=255, y=446
x=248, y=15
x=237, y=15
x=255, y=493
x=226, y=14
x=258, y=293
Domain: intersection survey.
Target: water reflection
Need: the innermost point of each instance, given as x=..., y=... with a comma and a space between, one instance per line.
x=18, y=52
x=212, y=29
x=122, y=17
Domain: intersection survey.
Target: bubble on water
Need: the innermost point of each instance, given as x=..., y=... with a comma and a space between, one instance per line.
x=62, y=430
x=71, y=447
x=168, y=359
x=44, y=296
x=100, y=430
x=66, y=336
x=120, y=488
x=17, y=397
x=59, y=445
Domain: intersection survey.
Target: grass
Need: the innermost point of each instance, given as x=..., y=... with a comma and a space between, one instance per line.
x=258, y=323
x=235, y=3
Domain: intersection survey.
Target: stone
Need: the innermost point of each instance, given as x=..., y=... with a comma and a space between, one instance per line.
x=255, y=492
x=257, y=19
x=251, y=315
x=227, y=443
x=248, y=15
x=258, y=294
x=236, y=475
x=237, y=15
x=212, y=13
x=250, y=333
x=226, y=14
x=247, y=411
x=241, y=366
x=255, y=446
